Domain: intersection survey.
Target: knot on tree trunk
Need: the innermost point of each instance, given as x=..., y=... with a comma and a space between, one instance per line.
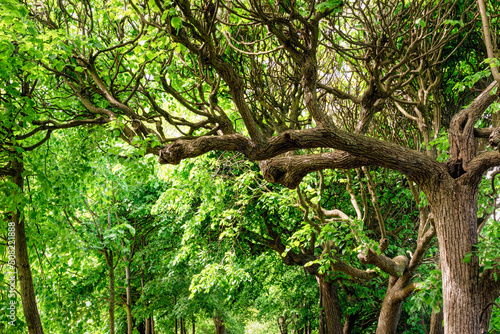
x=494, y=139
x=276, y=172
x=172, y=154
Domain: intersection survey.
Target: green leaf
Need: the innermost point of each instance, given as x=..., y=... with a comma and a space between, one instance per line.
x=176, y=22
x=467, y=258
x=420, y=22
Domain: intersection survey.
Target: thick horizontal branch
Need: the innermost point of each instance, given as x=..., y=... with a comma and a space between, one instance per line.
x=406, y=291
x=415, y=165
x=189, y=148
x=483, y=133
x=289, y=171
x=394, y=267
x=353, y=272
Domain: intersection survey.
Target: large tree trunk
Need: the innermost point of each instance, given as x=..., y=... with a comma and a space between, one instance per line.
x=28, y=297
x=331, y=305
x=455, y=211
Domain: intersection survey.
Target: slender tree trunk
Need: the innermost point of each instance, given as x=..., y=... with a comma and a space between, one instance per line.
x=455, y=211
x=194, y=325
x=130, y=325
x=331, y=305
x=321, y=329
x=110, y=263
x=220, y=327
x=147, y=322
x=390, y=311
x=283, y=326
x=175, y=319
x=489, y=290
x=436, y=326
x=349, y=322
x=28, y=297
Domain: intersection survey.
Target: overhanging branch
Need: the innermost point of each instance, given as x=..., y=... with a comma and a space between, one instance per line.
x=290, y=170
x=364, y=150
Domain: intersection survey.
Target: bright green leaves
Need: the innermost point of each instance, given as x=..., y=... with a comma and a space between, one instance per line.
x=224, y=277
x=470, y=80
x=429, y=293
x=329, y=5
x=441, y=144
x=421, y=23
x=488, y=249
x=176, y=22
x=20, y=48
x=467, y=258
x=454, y=22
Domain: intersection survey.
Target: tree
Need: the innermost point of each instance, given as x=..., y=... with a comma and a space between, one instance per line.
x=323, y=238
x=273, y=79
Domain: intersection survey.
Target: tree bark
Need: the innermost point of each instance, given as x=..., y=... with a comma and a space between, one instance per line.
x=110, y=263
x=489, y=290
x=391, y=308
x=349, y=322
x=454, y=206
x=321, y=329
x=220, y=327
x=436, y=326
x=331, y=305
x=282, y=325
x=130, y=325
x=175, y=319
x=28, y=297
x=147, y=322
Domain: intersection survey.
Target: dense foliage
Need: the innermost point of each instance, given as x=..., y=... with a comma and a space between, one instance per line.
x=249, y=166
